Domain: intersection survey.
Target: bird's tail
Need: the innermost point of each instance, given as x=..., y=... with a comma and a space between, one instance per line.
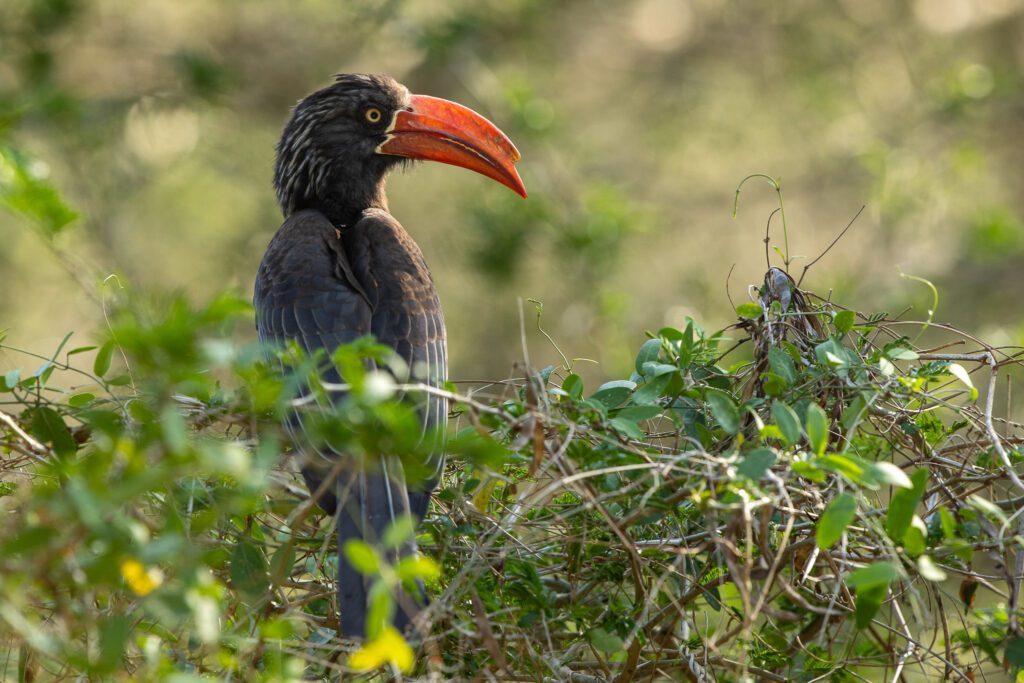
x=369, y=502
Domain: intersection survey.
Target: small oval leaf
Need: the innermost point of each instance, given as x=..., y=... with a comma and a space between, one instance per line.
x=102, y=363
x=929, y=570
x=839, y=514
x=787, y=421
x=648, y=354
x=750, y=311
x=724, y=410
x=844, y=321
x=877, y=574
x=756, y=463
x=817, y=428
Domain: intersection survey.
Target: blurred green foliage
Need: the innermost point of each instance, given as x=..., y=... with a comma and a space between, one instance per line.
x=701, y=514
x=24, y=190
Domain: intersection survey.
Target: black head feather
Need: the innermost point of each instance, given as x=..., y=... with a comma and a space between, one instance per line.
x=327, y=159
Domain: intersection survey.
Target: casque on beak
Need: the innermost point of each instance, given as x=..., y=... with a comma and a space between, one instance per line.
x=434, y=129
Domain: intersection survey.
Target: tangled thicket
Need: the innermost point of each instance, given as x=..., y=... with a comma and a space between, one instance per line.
x=807, y=495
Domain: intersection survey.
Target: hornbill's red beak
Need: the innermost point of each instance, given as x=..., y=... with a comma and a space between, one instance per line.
x=438, y=130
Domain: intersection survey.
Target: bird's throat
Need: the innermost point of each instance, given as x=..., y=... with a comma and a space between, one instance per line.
x=344, y=204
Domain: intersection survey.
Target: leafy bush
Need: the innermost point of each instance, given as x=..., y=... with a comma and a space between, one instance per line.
x=807, y=494
x=801, y=511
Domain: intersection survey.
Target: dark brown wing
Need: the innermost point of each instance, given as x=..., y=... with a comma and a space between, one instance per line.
x=303, y=294
x=407, y=317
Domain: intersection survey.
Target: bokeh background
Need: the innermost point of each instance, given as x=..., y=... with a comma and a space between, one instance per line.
x=636, y=120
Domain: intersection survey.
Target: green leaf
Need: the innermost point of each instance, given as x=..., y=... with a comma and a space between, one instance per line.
x=724, y=410
x=986, y=507
x=929, y=570
x=79, y=400
x=249, y=569
x=613, y=394
x=877, y=574
x=868, y=602
x=948, y=523
x=986, y=646
x=750, y=311
x=756, y=463
x=774, y=385
x=833, y=359
x=11, y=378
x=418, y=567
x=24, y=189
x=48, y=426
x=80, y=349
x=826, y=354
x=901, y=353
x=671, y=334
x=639, y=413
x=1015, y=651
x=817, y=428
x=89, y=507
x=839, y=514
x=174, y=430
x=782, y=365
x=282, y=561
x=915, y=540
x=275, y=629
x=381, y=609
x=887, y=473
x=573, y=385
x=627, y=427
x=114, y=632
x=103, y=356
x=43, y=372
x=787, y=421
x=844, y=465
x=961, y=374
x=362, y=556
x=903, y=505
x=31, y=539
x=808, y=471
x=650, y=392
x=852, y=415
x=844, y=321
x=648, y=354
x=399, y=532
x=658, y=369
x=604, y=641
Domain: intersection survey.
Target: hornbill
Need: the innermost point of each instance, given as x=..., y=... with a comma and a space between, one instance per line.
x=341, y=267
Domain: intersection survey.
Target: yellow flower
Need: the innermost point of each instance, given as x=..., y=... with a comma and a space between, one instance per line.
x=388, y=648
x=141, y=581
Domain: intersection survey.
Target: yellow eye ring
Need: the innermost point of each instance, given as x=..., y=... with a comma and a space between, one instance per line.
x=373, y=115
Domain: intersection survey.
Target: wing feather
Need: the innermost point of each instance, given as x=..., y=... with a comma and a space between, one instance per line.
x=407, y=317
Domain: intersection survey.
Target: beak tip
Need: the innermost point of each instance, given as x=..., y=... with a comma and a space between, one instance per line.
x=514, y=182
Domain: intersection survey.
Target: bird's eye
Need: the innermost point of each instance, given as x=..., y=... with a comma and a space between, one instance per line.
x=373, y=115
